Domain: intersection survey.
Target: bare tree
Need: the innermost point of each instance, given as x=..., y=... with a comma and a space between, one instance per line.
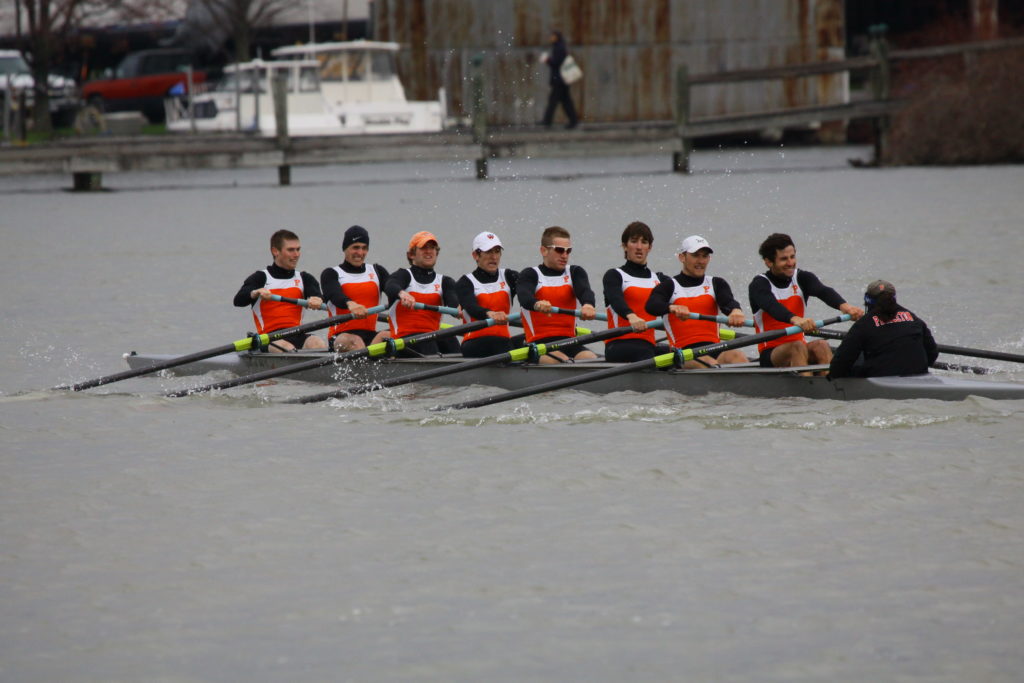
x=239, y=18
x=50, y=21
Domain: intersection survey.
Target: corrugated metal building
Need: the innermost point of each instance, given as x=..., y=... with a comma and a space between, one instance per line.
x=628, y=50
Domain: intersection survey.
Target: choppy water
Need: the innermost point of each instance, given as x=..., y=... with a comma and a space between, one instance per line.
x=562, y=537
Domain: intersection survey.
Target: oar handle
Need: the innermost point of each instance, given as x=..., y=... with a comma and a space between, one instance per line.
x=577, y=312
x=447, y=310
x=724, y=319
x=298, y=302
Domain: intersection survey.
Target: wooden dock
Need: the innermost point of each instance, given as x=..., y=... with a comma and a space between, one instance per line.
x=86, y=159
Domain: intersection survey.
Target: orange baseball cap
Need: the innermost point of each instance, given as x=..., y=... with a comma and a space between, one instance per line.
x=421, y=238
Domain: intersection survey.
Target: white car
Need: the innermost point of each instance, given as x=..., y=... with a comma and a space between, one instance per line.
x=16, y=74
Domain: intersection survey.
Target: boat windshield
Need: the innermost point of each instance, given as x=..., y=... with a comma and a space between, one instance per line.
x=253, y=79
x=356, y=66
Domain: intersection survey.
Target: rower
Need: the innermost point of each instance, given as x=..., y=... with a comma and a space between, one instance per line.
x=626, y=290
x=889, y=340
x=694, y=291
x=778, y=299
x=487, y=292
x=282, y=278
x=351, y=287
x=555, y=284
x=419, y=283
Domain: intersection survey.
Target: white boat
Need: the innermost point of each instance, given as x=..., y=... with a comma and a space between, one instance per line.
x=338, y=88
x=742, y=379
x=243, y=101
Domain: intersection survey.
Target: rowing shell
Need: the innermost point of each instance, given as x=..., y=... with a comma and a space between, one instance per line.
x=743, y=379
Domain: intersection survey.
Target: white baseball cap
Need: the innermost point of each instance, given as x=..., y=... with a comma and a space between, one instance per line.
x=693, y=244
x=486, y=241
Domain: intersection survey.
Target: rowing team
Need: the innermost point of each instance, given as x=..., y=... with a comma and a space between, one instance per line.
x=890, y=340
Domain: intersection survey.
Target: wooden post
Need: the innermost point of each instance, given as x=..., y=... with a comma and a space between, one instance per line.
x=479, y=113
x=189, y=85
x=681, y=160
x=87, y=181
x=880, y=85
x=279, y=86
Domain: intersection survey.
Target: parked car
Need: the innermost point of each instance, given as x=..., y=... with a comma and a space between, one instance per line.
x=141, y=82
x=16, y=74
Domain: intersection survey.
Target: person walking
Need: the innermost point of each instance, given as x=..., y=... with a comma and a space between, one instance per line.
x=559, y=93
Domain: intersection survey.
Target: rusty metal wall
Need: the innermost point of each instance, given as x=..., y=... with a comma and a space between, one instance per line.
x=628, y=50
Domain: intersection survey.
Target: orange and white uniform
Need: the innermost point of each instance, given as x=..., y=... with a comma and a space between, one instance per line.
x=701, y=299
x=491, y=296
x=270, y=316
x=363, y=288
x=558, y=290
x=635, y=290
x=792, y=298
x=406, y=321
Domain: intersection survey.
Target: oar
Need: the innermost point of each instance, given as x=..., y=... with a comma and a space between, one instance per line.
x=718, y=319
x=515, y=355
x=298, y=302
x=372, y=351
x=576, y=312
x=944, y=348
x=240, y=345
x=676, y=358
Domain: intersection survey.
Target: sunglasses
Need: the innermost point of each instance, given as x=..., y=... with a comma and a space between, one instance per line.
x=559, y=250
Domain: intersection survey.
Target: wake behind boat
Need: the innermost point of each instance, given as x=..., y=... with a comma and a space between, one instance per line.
x=743, y=379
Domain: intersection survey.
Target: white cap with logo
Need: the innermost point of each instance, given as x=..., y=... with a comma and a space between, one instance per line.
x=486, y=241
x=693, y=244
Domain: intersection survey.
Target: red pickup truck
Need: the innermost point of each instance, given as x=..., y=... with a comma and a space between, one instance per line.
x=141, y=82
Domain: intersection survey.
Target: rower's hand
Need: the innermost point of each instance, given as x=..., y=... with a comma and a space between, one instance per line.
x=261, y=293
x=736, y=318
x=679, y=311
x=314, y=302
x=358, y=311
x=587, y=312
x=406, y=299
x=542, y=306
x=636, y=322
x=806, y=324
x=854, y=312
x=500, y=317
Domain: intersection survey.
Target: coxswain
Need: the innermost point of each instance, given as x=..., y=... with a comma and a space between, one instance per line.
x=351, y=287
x=626, y=290
x=485, y=293
x=555, y=284
x=419, y=283
x=888, y=340
x=282, y=278
x=778, y=299
x=694, y=291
